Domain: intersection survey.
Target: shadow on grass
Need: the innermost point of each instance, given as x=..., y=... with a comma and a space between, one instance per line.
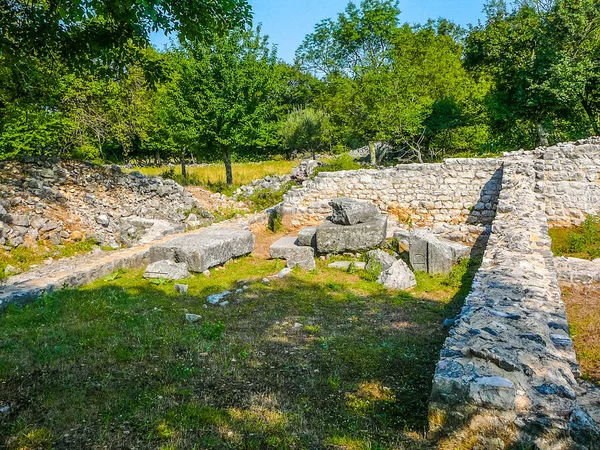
x=319, y=360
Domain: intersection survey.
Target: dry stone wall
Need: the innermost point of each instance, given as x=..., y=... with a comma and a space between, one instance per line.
x=508, y=370
x=569, y=178
x=456, y=191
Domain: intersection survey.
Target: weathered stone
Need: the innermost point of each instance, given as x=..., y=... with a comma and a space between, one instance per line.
x=345, y=265
x=207, y=249
x=217, y=298
x=55, y=238
x=307, y=237
x=181, y=288
x=430, y=254
x=398, y=276
x=295, y=255
x=169, y=270
x=348, y=211
x=18, y=220
x=380, y=260
x=333, y=238
x=103, y=220
x=192, y=318
x=494, y=392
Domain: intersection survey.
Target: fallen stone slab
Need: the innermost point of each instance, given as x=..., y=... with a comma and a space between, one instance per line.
x=380, y=260
x=217, y=298
x=295, y=255
x=334, y=238
x=169, y=270
x=349, y=211
x=307, y=237
x=428, y=253
x=209, y=248
x=398, y=276
x=345, y=265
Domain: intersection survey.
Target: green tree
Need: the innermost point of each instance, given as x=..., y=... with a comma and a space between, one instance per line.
x=231, y=89
x=305, y=129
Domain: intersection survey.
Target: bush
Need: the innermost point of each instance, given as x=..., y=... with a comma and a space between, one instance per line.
x=339, y=163
x=265, y=198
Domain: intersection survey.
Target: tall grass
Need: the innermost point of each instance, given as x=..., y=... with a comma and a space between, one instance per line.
x=213, y=176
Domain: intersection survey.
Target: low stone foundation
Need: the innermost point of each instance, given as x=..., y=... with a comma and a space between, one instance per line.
x=508, y=369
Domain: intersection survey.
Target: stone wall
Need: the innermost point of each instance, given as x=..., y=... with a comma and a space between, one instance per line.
x=508, y=372
x=456, y=191
x=570, y=181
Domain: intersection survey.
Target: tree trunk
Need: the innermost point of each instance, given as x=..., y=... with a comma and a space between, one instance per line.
x=373, y=153
x=542, y=135
x=228, y=169
x=157, y=160
x=593, y=120
x=183, y=169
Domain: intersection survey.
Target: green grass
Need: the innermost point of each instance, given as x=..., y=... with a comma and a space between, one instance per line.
x=22, y=258
x=115, y=365
x=213, y=176
x=578, y=242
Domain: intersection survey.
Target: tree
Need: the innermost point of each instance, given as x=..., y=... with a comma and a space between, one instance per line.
x=305, y=129
x=231, y=88
x=543, y=59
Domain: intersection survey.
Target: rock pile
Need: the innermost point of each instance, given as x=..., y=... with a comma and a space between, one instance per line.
x=270, y=182
x=65, y=201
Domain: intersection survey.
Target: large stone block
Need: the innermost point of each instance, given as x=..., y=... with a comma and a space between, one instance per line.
x=398, y=276
x=204, y=250
x=295, y=255
x=307, y=237
x=333, y=238
x=168, y=270
x=430, y=254
x=348, y=211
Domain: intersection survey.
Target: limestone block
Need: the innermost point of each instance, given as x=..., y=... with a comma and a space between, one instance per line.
x=307, y=237
x=333, y=238
x=169, y=270
x=398, y=276
x=347, y=211
x=295, y=255
x=430, y=254
x=205, y=250
x=380, y=260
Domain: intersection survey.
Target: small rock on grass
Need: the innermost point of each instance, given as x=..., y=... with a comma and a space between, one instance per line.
x=225, y=303
x=284, y=272
x=4, y=409
x=206, y=273
x=181, y=288
x=266, y=280
x=191, y=318
x=216, y=298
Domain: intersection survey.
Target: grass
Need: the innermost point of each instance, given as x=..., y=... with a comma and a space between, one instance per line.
x=324, y=359
x=213, y=176
x=22, y=258
x=583, y=311
x=578, y=242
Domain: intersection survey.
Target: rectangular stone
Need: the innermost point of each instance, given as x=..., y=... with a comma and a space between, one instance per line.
x=332, y=238
x=205, y=250
x=307, y=237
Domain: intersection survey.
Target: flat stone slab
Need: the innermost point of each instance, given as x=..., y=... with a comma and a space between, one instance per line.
x=349, y=211
x=207, y=249
x=345, y=265
x=333, y=238
x=295, y=255
x=169, y=270
x=307, y=237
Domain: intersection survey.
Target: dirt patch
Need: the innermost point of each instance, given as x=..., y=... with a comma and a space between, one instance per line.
x=583, y=311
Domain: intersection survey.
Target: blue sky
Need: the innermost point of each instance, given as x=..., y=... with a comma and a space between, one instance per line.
x=288, y=21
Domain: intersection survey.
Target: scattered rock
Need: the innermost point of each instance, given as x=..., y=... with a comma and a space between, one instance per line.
x=167, y=269
x=284, y=272
x=398, y=276
x=348, y=211
x=103, y=220
x=191, y=318
x=380, y=260
x=206, y=273
x=217, y=298
x=4, y=409
x=223, y=304
x=430, y=254
x=345, y=265
x=181, y=288
x=11, y=270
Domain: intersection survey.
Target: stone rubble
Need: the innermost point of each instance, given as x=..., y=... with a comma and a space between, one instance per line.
x=577, y=270
x=65, y=201
x=398, y=277
x=295, y=255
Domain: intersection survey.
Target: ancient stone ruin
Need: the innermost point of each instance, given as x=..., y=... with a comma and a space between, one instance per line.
x=508, y=369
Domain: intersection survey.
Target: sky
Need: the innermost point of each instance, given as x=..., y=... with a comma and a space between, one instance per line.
x=286, y=22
